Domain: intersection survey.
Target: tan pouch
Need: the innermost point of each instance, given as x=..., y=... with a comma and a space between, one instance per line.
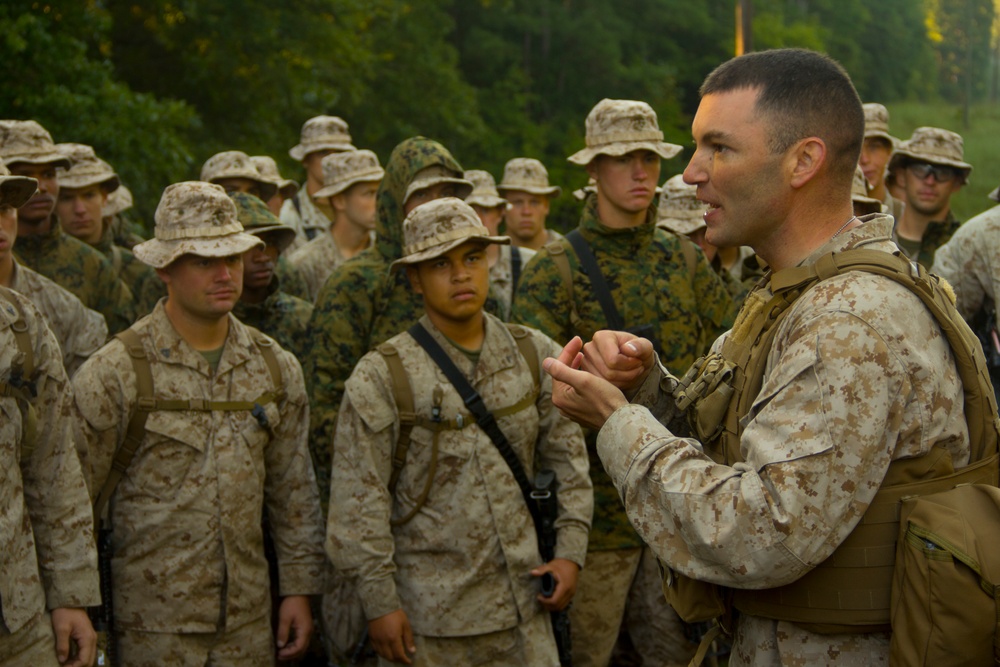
x=694, y=601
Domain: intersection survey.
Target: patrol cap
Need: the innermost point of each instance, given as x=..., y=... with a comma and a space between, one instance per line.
x=268, y=169
x=198, y=218
x=679, y=209
x=15, y=190
x=236, y=164
x=877, y=122
x=617, y=127
x=527, y=175
x=433, y=175
x=258, y=220
x=434, y=228
x=87, y=169
x=118, y=201
x=933, y=145
x=484, y=189
x=859, y=193
x=322, y=133
x=27, y=141
x=342, y=170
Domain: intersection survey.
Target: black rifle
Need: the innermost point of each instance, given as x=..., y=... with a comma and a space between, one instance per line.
x=984, y=325
x=103, y=617
x=544, y=496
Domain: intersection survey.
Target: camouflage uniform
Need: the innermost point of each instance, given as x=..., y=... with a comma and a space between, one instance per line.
x=306, y=217
x=461, y=566
x=502, y=277
x=79, y=330
x=970, y=261
x=859, y=374
x=46, y=537
x=937, y=234
x=315, y=261
x=281, y=316
x=82, y=270
x=146, y=286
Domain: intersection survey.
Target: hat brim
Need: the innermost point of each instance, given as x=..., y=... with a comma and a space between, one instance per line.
x=299, y=152
x=337, y=188
x=881, y=134
x=661, y=148
x=487, y=201
x=466, y=186
x=438, y=250
x=17, y=190
x=285, y=234
x=109, y=183
x=288, y=188
x=902, y=153
x=57, y=159
x=681, y=225
x=160, y=254
x=552, y=191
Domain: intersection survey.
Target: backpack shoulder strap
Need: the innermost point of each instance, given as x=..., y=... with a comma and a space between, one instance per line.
x=526, y=346
x=21, y=337
x=601, y=290
x=557, y=251
x=690, y=255
x=402, y=392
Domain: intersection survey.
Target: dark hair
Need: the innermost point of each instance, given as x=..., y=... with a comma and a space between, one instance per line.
x=804, y=94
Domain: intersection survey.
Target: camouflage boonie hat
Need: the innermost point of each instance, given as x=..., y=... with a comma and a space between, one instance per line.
x=15, y=190
x=195, y=218
x=87, y=169
x=436, y=227
x=617, y=127
x=118, y=201
x=527, y=174
x=433, y=175
x=877, y=122
x=322, y=133
x=679, y=209
x=484, y=189
x=236, y=164
x=933, y=145
x=342, y=170
x=268, y=169
x=27, y=141
x=257, y=219
x=859, y=192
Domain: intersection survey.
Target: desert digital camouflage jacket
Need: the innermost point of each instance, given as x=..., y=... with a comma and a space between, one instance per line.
x=970, y=261
x=186, y=516
x=461, y=565
x=859, y=374
x=46, y=523
x=502, y=276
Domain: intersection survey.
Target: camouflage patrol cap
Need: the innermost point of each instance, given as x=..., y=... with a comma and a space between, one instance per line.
x=268, y=169
x=342, y=170
x=527, y=174
x=877, y=122
x=933, y=145
x=87, y=169
x=195, y=218
x=859, y=193
x=484, y=190
x=434, y=228
x=679, y=209
x=433, y=175
x=27, y=141
x=15, y=190
x=118, y=201
x=322, y=133
x=617, y=127
x=236, y=164
x=258, y=220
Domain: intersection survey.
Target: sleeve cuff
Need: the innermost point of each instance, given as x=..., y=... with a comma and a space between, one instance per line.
x=74, y=589
x=300, y=580
x=379, y=598
x=571, y=544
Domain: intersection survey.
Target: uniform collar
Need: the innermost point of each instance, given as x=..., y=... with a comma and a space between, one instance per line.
x=170, y=348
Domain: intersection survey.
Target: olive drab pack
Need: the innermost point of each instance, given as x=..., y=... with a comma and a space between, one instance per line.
x=408, y=419
x=853, y=590
x=21, y=379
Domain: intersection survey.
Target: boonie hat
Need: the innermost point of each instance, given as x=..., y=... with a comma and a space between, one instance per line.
x=877, y=122
x=342, y=170
x=933, y=145
x=257, y=219
x=194, y=217
x=436, y=227
x=679, y=209
x=27, y=141
x=236, y=164
x=268, y=169
x=87, y=169
x=859, y=192
x=527, y=175
x=484, y=189
x=617, y=127
x=433, y=175
x=118, y=201
x=322, y=133
x=15, y=190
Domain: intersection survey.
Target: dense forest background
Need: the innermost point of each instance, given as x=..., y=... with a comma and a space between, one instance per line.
x=158, y=86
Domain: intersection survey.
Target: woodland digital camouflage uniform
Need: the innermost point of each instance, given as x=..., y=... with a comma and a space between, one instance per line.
x=46, y=525
x=146, y=286
x=281, y=316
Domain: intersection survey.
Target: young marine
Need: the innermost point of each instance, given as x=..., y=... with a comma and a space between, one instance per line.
x=444, y=549
x=224, y=435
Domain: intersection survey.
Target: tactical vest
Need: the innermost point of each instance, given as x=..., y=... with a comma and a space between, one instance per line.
x=850, y=590
x=21, y=380
x=402, y=392
x=146, y=403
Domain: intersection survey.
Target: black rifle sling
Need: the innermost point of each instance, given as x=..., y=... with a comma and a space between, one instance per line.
x=589, y=265
x=474, y=402
x=515, y=271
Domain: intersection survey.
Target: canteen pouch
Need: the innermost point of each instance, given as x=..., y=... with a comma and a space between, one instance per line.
x=694, y=601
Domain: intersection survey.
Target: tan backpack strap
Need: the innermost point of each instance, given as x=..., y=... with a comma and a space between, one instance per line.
x=136, y=429
x=557, y=250
x=690, y=255
x=403, y=395
x=21, y=337
x=526, y=346
x=116, y=259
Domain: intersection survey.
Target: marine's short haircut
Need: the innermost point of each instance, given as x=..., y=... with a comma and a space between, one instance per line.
x=804, y=94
